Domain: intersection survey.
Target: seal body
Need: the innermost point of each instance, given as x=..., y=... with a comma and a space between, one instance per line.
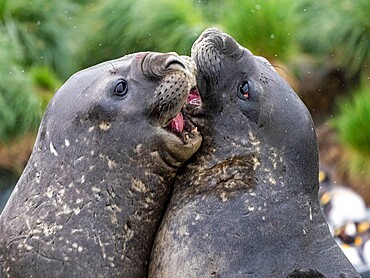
x=90, y=199
x=247, y=204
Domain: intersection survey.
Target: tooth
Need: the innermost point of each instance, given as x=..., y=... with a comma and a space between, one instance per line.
x=195, y=129
x=187, y=137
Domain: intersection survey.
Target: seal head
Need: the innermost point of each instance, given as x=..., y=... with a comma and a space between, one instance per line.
x=89, y=201
x=247, y=204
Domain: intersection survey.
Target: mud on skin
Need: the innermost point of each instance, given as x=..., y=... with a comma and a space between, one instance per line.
x=246, y=205
x=89, y=201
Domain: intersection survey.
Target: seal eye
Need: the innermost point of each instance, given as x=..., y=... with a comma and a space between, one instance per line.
x=244, y=89
x=121, y=88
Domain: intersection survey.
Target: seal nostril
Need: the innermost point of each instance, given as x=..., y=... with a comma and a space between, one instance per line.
x=174, y=63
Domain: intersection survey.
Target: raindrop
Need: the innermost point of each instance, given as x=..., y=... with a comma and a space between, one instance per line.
x=38, y=23
x=272, y=36
x=258, y=7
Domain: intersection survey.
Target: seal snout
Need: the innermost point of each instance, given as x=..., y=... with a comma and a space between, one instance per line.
x=175, y=93
x=220, y=42
x=210, y=50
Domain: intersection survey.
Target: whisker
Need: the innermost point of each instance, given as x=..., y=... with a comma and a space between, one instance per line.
x=284, y=70
x=154, y=107
x=114, y=69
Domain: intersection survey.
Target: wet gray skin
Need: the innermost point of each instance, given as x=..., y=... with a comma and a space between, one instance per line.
x=247, y=204
x=89, y=201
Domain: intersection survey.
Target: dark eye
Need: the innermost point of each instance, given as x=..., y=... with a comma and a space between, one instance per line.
x=244, y=89
x=121, y=88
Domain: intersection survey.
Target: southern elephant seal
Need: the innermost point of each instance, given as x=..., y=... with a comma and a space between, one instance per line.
x=89, y=201
x=247, y=204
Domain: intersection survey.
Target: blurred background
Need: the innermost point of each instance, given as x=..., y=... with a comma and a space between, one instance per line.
x=321, y=48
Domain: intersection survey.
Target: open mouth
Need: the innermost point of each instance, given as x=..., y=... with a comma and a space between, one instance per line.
x=181, y=124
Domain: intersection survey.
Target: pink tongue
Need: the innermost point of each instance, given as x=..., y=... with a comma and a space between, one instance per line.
x=177, y=123
x=194, y=98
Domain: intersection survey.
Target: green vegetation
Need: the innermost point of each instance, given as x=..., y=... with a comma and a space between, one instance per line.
x=19, y=105
x=47, y=32
x=164, y=25
x=352, y=123
x=38, y=47
x=45, y=78
x=338, y=32
x=131, y=26
x=265, y=27
x=336, y=29
x=46, y=82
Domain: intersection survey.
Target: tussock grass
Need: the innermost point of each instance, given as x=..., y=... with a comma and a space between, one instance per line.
x=123, y=26
x=338, y=29
x=48, y=32
x=352, y=123
x=20, y=110
x=265, y=27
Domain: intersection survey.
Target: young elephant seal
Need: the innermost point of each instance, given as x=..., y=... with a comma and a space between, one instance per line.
x=91, y=196
x=247, y=205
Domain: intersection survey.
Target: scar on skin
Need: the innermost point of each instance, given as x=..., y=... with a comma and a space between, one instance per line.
x=66, y=142
x=104, y=126
x=53, y=150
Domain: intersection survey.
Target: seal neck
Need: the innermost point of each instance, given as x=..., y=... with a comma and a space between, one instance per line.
x=226, y=166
